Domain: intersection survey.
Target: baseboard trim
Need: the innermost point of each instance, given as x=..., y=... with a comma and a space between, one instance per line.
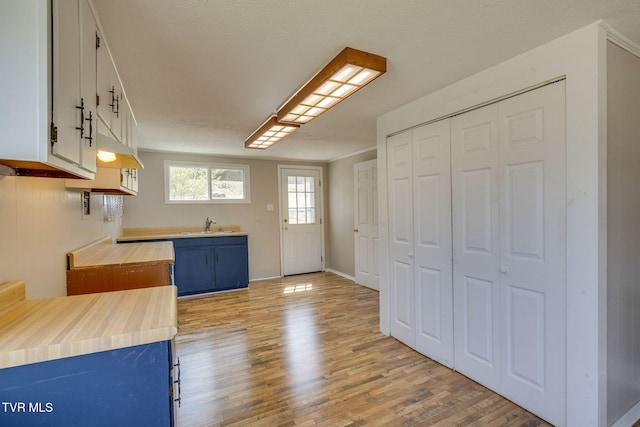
x=339, y=273
x=629, y=418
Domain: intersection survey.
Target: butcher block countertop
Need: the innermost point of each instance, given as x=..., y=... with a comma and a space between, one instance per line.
x=39, y=330
x=153, y=233
x=103, y=253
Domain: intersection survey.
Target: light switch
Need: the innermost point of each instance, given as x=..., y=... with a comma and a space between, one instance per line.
x=269, y=206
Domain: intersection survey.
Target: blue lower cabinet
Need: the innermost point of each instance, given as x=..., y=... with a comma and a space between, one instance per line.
x=211, y=264
x=130, y=386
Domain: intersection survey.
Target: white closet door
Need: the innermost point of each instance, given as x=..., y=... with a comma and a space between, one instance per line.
x=432, y=241
x=401, y=288
x=532, y=250
x=474, y=152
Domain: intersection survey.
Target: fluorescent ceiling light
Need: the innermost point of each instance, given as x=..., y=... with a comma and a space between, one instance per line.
x=269, y=133
x=347, y=73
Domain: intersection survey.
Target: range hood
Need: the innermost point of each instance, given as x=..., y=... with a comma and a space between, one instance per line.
x=112, y=154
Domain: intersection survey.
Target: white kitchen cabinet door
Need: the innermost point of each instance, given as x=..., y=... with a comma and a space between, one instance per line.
x=66, y=97
x=432, y=241
x=110, y=97
x=74, y=83
x=89, y=87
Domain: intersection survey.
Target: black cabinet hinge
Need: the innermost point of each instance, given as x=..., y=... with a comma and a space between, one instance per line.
x=53, y=134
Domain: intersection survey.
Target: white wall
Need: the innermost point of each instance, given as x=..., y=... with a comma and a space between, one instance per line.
x=623, y=233
x=40, y=221
x=148, y=208
x=579, y=57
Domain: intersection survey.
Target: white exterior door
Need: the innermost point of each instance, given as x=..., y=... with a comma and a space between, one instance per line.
x=301, y=220
x=509, y=205
x=366, y=241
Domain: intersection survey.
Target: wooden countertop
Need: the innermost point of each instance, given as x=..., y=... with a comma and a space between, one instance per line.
x=34, y=331
x=152, y=233
x=103, y=253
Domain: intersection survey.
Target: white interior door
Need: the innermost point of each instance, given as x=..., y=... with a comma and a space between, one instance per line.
x=401, y=288
x=366, y=241
x=432, y=241
x=474, y=155
x=533, y=250
x=509, y=216
x=301, y=220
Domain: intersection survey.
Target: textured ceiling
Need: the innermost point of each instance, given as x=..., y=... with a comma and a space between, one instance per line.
x=202, y=75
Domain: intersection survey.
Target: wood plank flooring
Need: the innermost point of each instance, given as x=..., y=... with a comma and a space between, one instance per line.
x=305, y=351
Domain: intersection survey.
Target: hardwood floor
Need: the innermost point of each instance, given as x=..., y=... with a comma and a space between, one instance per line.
x=305, y=351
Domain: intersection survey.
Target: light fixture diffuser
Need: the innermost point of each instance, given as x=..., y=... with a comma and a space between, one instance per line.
x=346, y=73
x=269, y=133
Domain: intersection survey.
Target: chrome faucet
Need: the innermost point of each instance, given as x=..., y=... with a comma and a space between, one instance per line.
x=207, y=224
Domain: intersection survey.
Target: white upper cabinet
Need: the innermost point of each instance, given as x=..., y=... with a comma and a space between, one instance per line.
x=60, y=84
x=111, y=102
x=74, y=83
x=41, y=44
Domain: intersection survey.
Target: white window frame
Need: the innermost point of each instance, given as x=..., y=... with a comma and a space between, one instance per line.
x=246, y=184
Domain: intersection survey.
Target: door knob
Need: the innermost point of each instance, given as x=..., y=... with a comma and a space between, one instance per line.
x=355, y=230
x=504, y=270
x=411, y=255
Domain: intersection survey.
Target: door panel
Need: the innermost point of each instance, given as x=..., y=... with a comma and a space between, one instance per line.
x=478, y=321
x=474, y=151
x=401, y=288
x=432, y=241
x=533, y=250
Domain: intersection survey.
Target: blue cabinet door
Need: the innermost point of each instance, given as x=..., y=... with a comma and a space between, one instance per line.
x=194, y=269
x=231, y=270
x=123, y=387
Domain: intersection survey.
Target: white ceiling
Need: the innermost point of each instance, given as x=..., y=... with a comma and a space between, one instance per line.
x=202, y=75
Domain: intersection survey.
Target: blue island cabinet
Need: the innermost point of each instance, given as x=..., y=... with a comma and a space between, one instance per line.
x=131, y=386
x=210, y=264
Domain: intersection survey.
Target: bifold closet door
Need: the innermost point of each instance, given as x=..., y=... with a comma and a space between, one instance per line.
x=533, y=250
x=474, y=155
x=509, y=216
x=421, y=295
x=432, y=241
x=401, y=287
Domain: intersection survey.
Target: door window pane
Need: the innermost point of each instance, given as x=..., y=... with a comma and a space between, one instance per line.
x=301, y=197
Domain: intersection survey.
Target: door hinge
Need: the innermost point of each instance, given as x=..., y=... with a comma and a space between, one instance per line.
x=321, y=259
x=97, y=40
x=53, y=134
x=97, y=100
